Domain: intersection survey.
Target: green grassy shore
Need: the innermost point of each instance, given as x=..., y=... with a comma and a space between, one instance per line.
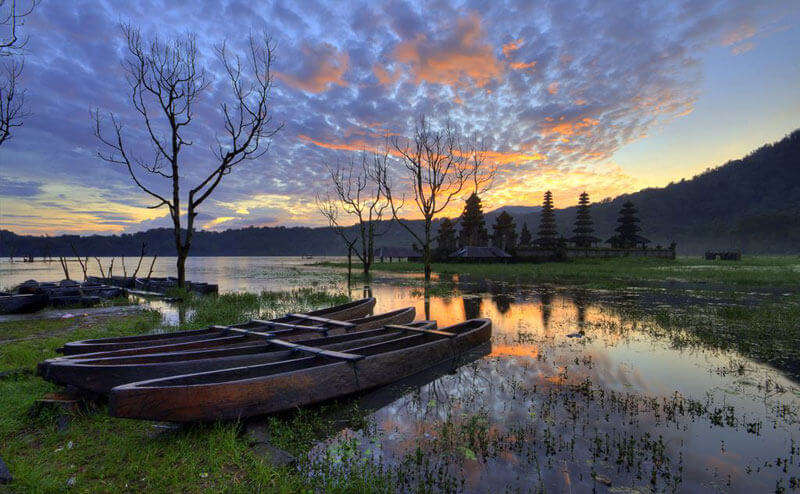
x=88, y=451
x=756, y=271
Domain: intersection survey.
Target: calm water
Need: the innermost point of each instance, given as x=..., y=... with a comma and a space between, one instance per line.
x=571, y=396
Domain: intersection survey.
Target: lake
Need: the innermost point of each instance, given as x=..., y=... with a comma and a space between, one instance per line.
x=574, y=393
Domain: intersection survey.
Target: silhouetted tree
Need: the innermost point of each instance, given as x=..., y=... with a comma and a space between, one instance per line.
x=473, y=224
x=505, y=233
x=360, y=197
x=437, y=169
x=165, y=84
x=584, y=227
x=548, y=234
x=628, y=229
x=525, y=238
x=331, y=210
x=446, y=242
x=12, y=97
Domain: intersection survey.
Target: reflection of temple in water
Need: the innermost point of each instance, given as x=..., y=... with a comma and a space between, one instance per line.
x=546, y=296
x=472, y=307
x=581, y=301
x=503, y=303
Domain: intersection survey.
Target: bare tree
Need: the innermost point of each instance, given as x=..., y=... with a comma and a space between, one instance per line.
x=330, y=210
x=12, y=98
x=166, y=81
x=12, y=17
x=481, y=171
x=436, y=168
x=84, y=264
x=361, y=197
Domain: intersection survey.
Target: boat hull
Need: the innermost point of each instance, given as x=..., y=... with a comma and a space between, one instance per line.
x=207, y=400
x=22, y=304
x=352, y=310
x=100, y=372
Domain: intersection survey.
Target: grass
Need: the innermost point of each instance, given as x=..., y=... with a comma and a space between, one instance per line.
x=94, y=452
x=759, y=271
x=768, y=332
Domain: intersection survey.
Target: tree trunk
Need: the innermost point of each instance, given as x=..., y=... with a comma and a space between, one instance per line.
x=181, y=265
x=426, y=252
x=349, y=264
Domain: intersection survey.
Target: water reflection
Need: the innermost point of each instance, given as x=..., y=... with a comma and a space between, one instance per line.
x=572, y=396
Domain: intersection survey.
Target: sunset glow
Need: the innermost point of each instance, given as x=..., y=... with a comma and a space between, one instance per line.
x=567, y=99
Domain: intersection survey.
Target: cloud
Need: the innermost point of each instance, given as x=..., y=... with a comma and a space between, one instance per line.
x=18, y=188
x=555, y=90
x=511, y=47
x=457, y=54
x=320, y=67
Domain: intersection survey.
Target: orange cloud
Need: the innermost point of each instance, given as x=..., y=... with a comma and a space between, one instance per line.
x=567, y=127
x=552, y=88
x=360, y=146
x=522, y=65
x=499, y=157
x=322, y=66
x=463, y=58
x=384, y=76
x=513, y=46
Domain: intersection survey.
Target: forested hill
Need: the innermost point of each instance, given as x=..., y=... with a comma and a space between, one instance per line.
x=752, y=203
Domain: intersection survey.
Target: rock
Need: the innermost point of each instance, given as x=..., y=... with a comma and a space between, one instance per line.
x=602, y=479
x=71, y=482
x=68, y=283
x=258, y=436
x=579, y=334
x=5, y=473
x=275, y=456
x=257, y=433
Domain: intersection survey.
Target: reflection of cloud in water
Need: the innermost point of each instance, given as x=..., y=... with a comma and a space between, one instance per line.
x=522, y=417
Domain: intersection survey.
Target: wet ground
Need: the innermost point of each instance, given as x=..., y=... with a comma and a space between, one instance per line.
x=574, y=393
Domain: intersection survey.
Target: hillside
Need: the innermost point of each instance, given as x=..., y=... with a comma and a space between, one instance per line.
x=752, y=204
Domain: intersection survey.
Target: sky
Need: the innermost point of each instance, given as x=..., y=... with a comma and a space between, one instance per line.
x=607, y=97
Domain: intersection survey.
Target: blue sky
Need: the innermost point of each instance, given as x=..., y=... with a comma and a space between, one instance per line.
x=608, y=97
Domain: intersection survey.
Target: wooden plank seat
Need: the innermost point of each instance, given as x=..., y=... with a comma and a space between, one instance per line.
x=321, y=320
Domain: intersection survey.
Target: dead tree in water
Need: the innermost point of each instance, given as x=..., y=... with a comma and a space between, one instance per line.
x=84, y=265
x=166, y=83
x=64, y=266
x=141, y=256
x=437, y=169
x=152, y=263
x=100, y=266
x=330, y=210
x=359, y=195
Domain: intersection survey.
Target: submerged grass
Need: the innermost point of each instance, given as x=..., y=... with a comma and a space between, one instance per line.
x=768, y=332
x=90, y=451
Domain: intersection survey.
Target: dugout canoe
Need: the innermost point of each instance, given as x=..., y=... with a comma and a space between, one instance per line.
x=99, y=372
x=252, y=331
x=21, y=304
x=246, y=391
x=344, y=312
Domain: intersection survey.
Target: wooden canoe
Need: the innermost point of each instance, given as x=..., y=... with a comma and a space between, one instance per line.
x=20, y=304
x=344, y=312
x=99, y=372
x=258, y=389
x=228, y=336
